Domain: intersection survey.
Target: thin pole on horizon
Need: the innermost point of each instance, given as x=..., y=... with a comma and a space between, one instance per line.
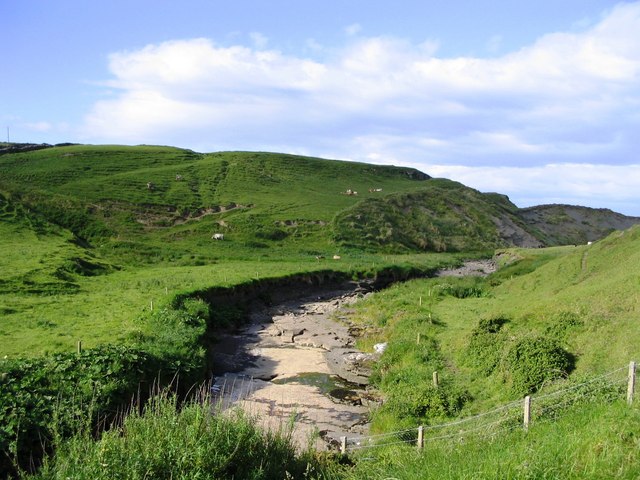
x=8, y=135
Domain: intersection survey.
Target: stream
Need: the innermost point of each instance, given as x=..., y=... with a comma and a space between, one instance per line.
x=294, y=366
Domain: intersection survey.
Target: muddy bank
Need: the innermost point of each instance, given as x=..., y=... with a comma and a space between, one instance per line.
x=294, y=362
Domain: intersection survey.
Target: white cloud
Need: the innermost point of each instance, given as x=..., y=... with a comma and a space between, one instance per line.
x=259, y=40
x=567, y=98
x=573, y=183
x=353, y=29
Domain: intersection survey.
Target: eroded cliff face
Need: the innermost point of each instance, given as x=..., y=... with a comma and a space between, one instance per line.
x=515, y=235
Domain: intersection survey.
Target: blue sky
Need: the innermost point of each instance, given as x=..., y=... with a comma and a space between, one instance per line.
x=538, y=100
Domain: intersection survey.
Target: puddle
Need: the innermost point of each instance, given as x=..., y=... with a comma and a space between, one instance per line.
x=336, y=388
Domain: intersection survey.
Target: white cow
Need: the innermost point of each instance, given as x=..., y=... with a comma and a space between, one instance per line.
x=217, y=236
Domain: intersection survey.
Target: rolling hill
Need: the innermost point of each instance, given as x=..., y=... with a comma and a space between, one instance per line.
x=149, y=197
x=113, y=246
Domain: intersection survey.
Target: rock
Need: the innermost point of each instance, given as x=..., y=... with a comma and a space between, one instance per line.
x=379, y=348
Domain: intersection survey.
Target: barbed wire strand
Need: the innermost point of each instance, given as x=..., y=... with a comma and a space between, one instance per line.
x=574, y=387
x=513, y=404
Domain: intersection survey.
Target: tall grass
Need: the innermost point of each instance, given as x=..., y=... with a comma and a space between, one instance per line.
x=192, y=441
x=593, y=441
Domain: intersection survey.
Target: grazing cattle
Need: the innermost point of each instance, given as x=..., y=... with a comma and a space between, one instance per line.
x=217, y=236
x=336, y=257
x=178, y=178
x=150, y=186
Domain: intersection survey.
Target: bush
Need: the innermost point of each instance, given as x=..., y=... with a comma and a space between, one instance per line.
x=486, y=345
x=532, y=361
x=421, y=400
x=46, y=395
x=404, y=374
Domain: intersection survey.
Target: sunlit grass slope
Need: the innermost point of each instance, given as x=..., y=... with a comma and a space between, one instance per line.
x=160, y=192
x=93, y=236
x=579, y=302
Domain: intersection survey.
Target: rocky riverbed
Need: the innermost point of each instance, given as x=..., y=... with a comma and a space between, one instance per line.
x=293, y=364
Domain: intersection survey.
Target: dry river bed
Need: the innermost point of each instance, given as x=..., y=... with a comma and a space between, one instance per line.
x=294, y=365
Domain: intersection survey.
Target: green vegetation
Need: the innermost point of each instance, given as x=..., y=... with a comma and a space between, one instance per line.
x=594, y=441
x=113, y=246
x=185, y=442
x=552, y=314
x=442, y=216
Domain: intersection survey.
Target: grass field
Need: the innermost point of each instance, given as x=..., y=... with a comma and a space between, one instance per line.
x=99, y=244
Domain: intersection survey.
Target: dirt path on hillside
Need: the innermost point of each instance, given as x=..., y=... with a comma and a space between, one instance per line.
x=294, y=365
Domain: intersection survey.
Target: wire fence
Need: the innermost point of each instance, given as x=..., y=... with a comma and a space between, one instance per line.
x=518, y=414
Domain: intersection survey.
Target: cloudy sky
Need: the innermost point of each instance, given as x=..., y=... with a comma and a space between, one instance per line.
x=539, y=100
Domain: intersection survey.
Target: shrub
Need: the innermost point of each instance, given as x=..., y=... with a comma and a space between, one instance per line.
x=561, y=323
x=421, y=400
x=404, y=374
x=94, y=383
x=532, y=361
x=486, y=345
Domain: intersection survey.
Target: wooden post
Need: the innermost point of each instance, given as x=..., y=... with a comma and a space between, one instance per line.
x=79, y=346
x=343, y=445
x=420, y=301
x=436, y=380
x=418, y=339
x=420, y=443
x=152, y=305
x=527, y=412
x=632, y=382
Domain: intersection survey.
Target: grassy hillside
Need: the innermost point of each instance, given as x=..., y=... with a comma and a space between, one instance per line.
x=255, y=199
x=442, y=216
x=572, y=307
x=93, y=235
x=105, y=244
x=88, y=247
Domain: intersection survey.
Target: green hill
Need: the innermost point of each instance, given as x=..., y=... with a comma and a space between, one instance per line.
x=580, y=302
x=140, y=204
x=94, y=235
x=107, y=244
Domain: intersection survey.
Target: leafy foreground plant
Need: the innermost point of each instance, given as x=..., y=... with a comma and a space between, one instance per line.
x=196, y=441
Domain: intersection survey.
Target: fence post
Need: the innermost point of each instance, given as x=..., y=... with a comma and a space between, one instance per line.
x=527, y=412
x=631, y=383
x=79, y=346
x=420, y=443
x=436, y=380
x=343, y=445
